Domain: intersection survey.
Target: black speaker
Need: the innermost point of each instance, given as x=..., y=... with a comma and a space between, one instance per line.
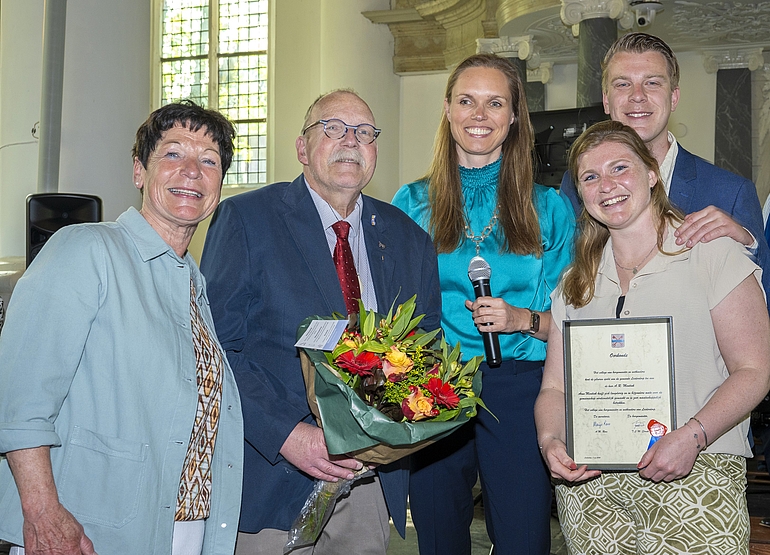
x=49, y=212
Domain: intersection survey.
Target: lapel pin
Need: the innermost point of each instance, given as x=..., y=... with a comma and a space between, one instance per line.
x=374, y=219
x=381, y=245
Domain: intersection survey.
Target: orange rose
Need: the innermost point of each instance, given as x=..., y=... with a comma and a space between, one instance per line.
x=396, y=365
x=417, y=406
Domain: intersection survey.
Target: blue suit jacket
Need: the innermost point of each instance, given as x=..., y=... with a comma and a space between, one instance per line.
x=697, y=184
x=268, y=267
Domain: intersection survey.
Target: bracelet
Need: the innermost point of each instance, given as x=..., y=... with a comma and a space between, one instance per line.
x=705, y=437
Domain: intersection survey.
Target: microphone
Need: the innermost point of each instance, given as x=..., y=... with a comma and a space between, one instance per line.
x=479, y=273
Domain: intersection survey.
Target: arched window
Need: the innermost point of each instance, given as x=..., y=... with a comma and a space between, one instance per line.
x=221, y=65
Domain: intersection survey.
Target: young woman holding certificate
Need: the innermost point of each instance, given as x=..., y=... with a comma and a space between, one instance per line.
x=688, y=494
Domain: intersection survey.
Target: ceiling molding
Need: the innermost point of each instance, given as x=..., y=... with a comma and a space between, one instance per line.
x=437, y=34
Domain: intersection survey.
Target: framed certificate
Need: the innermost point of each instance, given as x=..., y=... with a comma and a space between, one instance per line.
x=619, y=384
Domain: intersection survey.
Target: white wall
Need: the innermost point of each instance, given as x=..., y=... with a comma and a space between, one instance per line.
x=21, y=26
x=321, y=45
x=106, y=97
x=561, y=91
x=422, y=101
x=693, y=121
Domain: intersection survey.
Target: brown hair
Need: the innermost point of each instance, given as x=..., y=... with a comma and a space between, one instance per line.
x=580, y=278
x=639, y=43
x=186, y=114
x=517, y=214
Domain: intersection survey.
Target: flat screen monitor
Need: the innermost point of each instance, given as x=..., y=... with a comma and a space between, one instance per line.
x=555, y=131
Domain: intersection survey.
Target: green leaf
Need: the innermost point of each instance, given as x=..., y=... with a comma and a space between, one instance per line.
x=471, y=367
x=467, y=402
x=374, y=347
x=481, y=403
x=338, y=350
x=446, y=415
x=389, y=317
x=404, y=317
x=412, y=324
x=455, y=354
x=368, y=323
x=425, y=338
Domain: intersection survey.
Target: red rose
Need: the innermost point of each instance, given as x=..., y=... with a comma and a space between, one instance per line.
x=443, y=393
x=362, y=364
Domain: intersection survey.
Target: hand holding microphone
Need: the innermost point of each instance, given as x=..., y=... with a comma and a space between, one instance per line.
x=479, y=273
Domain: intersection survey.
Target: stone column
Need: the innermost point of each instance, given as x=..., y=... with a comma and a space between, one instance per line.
x=593, y=22
x=596, y=36
x=732, y=122
x=525, y=55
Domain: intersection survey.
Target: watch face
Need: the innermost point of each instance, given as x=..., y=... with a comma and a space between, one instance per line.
x=534, y=324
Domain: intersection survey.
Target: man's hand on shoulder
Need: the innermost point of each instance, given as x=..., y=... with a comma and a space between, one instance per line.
x=709, y=224
x=305, y=448
x=54, y=531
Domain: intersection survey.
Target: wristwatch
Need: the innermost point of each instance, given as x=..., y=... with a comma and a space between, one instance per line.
x=534, y=323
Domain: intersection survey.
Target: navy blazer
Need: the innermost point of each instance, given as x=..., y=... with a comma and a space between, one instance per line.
x=268, y=267
x=697, y=184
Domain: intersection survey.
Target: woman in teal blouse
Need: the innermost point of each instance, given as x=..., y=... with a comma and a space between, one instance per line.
x=479, y=199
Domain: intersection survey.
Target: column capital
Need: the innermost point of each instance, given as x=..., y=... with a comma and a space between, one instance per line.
x=522, y=47
x=542, y=74
x=575, y=11
x=733, y=58
x=433, y=35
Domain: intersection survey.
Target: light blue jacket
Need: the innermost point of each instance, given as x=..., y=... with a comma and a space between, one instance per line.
x=97, y=361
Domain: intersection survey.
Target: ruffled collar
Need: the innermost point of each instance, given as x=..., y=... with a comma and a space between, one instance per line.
x=483, y=177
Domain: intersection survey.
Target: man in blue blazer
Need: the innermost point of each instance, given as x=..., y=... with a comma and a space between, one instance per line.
x=268, y=263
x=640, y=80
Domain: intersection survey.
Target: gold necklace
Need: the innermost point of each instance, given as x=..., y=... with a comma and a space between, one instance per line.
x=635, y=269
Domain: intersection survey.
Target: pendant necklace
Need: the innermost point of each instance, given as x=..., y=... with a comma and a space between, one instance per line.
x=635, y=269
x=478, y=239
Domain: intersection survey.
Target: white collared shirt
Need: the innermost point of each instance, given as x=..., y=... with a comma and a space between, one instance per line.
x=329, y=216
x=667, y=166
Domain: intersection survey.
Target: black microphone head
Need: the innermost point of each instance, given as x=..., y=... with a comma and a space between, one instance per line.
x=479, y=269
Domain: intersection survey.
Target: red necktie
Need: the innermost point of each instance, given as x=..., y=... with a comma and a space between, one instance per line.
x=346, y=268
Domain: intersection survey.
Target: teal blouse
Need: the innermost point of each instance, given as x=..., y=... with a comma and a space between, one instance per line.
x=522, y=281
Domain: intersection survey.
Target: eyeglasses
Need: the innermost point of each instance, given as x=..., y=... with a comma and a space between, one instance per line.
x=336, y=129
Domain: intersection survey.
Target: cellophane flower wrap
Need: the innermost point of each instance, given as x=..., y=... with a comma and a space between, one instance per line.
x=387, y=390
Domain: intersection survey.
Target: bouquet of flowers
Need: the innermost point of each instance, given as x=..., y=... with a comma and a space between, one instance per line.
x=386, y=390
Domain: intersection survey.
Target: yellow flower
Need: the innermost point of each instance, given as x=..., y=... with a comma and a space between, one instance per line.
x=396, y=365
x=417, y=406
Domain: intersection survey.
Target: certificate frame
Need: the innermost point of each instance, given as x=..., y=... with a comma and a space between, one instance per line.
x=619, y=378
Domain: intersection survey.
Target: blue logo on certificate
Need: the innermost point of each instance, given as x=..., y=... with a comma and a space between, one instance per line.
x=618, y=340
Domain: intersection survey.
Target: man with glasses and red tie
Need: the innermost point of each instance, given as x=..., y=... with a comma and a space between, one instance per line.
x=277, y=255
